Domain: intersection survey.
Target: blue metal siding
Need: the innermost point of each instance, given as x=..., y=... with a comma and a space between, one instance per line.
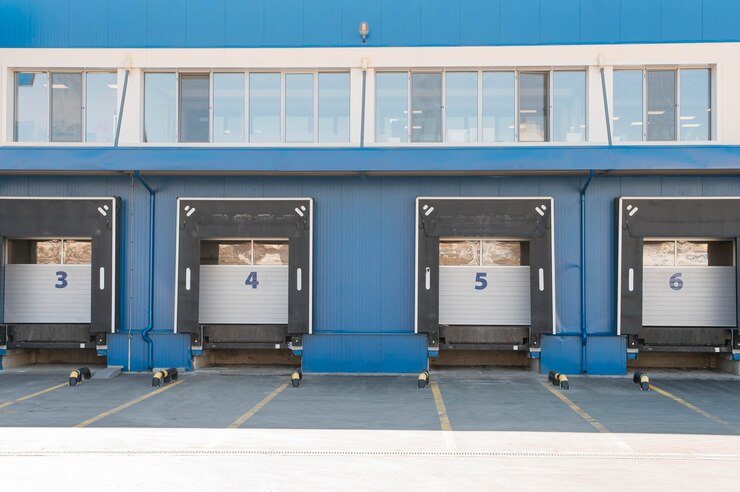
x=302, y=23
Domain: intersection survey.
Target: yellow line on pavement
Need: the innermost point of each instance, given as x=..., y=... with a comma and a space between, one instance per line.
x=581, y=412
x=444, y=420
x=32, y=395
x=694, y=408
x=250, y=413
x=127, y=405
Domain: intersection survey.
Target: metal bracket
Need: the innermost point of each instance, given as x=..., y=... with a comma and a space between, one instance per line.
x=196, y=339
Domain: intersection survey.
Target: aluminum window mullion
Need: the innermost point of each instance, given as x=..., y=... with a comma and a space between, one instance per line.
x=49, y=102
x=211, y=94
x=516, y=106
x=644, y=104
x=316, y=107
x=246, y=128
x=550, y=99
x=677, y=105
x=479, y=137
x=443, y=106
x=282, y=107
x=409, y=95
x=177, y=106
x=83, y=107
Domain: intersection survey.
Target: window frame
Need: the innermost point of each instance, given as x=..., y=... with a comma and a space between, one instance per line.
x=713, y=104
x=49, y=72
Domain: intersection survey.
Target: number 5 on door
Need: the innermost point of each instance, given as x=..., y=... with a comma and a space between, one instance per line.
x=480, y=281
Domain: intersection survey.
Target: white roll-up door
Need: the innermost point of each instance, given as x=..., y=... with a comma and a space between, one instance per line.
x=47, y=281
x=484, y=282
x=243, y=282
x=688, y=283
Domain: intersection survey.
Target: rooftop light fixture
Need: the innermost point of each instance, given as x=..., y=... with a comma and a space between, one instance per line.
x=364, y=31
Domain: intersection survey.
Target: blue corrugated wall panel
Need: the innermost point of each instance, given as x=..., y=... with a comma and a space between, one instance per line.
x=606, y=355
x=364, y=256
x=365, y=353
x=299, y=23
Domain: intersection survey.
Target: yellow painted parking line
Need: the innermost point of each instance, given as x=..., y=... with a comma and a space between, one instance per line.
x=32, y=395
x=127, y=405
x=696, y=409
x=581, y=412
x=250, y=413
x=444, y=420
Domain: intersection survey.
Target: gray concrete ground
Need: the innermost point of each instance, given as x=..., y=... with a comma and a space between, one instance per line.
x=474, y=430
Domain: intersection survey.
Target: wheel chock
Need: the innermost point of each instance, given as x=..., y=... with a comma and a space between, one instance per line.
x=642, y=379
x=295, y=378
x=78, y=375
x=158, y=378
x=423, y=379
x=557, y=379
x=172, y=373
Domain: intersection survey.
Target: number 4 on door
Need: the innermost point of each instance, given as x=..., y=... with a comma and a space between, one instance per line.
x=252, y=280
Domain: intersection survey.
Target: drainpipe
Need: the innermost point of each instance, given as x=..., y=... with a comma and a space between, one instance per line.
x=150, y=309
x=584, y=333
x=362, y=112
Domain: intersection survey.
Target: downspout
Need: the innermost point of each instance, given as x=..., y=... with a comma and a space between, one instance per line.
x=362, y=112
x=150, y=309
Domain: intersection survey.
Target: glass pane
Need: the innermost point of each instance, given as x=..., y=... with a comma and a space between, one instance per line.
x=691, y=253
x=656, y=253
x=101, y=106
x=391, y=108
x=426, y=107
x=46, y=252
x=533, y=108
x=299, y=107
x=502, y=253
x=31, y=107
x=194, y=107
x=499, y=107
x=228, y=107
x=77, y=252
x=270, y=252
x=159, y=107
x=627, y=119
x=264, y=107
x=661, y=105
x=334, y=107
x=461, y=107
x=695, y=104
x=569, y=106
x=456, y=253
x=226, y=252
x=66, y=107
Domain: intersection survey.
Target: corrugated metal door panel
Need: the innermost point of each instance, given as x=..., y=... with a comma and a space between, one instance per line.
x=225, y=297
x=505, y=300
x=32, y=295
x=701, y=296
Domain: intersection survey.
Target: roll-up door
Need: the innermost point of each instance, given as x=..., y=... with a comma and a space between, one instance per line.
x=688, y=283
x=48, y=281
x=244, y=282
x=484, y=282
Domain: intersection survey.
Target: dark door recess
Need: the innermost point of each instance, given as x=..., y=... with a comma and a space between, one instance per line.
x=29, y=224
x=709, y=222
x=526, y=219
x=204, y=224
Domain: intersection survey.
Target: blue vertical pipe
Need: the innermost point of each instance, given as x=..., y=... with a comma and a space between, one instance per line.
x=150, y=309
x=584, y=333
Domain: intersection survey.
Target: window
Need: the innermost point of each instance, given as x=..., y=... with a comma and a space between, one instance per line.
x=194, y=107
x=533, y=107
x=426, y=107
x=569, y=106
x=334, y=107
x=461, y=101
x=662, y=105
x=244, y=252
x=483, y=252
x=264, y=107
x=50, y=251
x=228, y=107
x=159, y=107
x=693, y=253
x=65, y=107
x=499, y=107
x=391, y=107
x=299, y=107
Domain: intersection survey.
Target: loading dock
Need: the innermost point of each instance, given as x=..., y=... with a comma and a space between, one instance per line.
x=60, y=270
x=484, y=272
x=244, y=272
x=677, y=274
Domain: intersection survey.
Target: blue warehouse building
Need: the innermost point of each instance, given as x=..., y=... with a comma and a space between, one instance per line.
x=370, y=187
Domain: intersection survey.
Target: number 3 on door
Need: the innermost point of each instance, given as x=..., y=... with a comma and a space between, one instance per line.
x=61, y=280
x=480, y=281
x=252, y=280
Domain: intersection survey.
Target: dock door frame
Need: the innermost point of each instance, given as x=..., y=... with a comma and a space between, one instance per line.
x=529, y=218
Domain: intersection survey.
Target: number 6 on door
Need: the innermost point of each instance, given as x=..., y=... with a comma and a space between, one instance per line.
x=480, y=281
